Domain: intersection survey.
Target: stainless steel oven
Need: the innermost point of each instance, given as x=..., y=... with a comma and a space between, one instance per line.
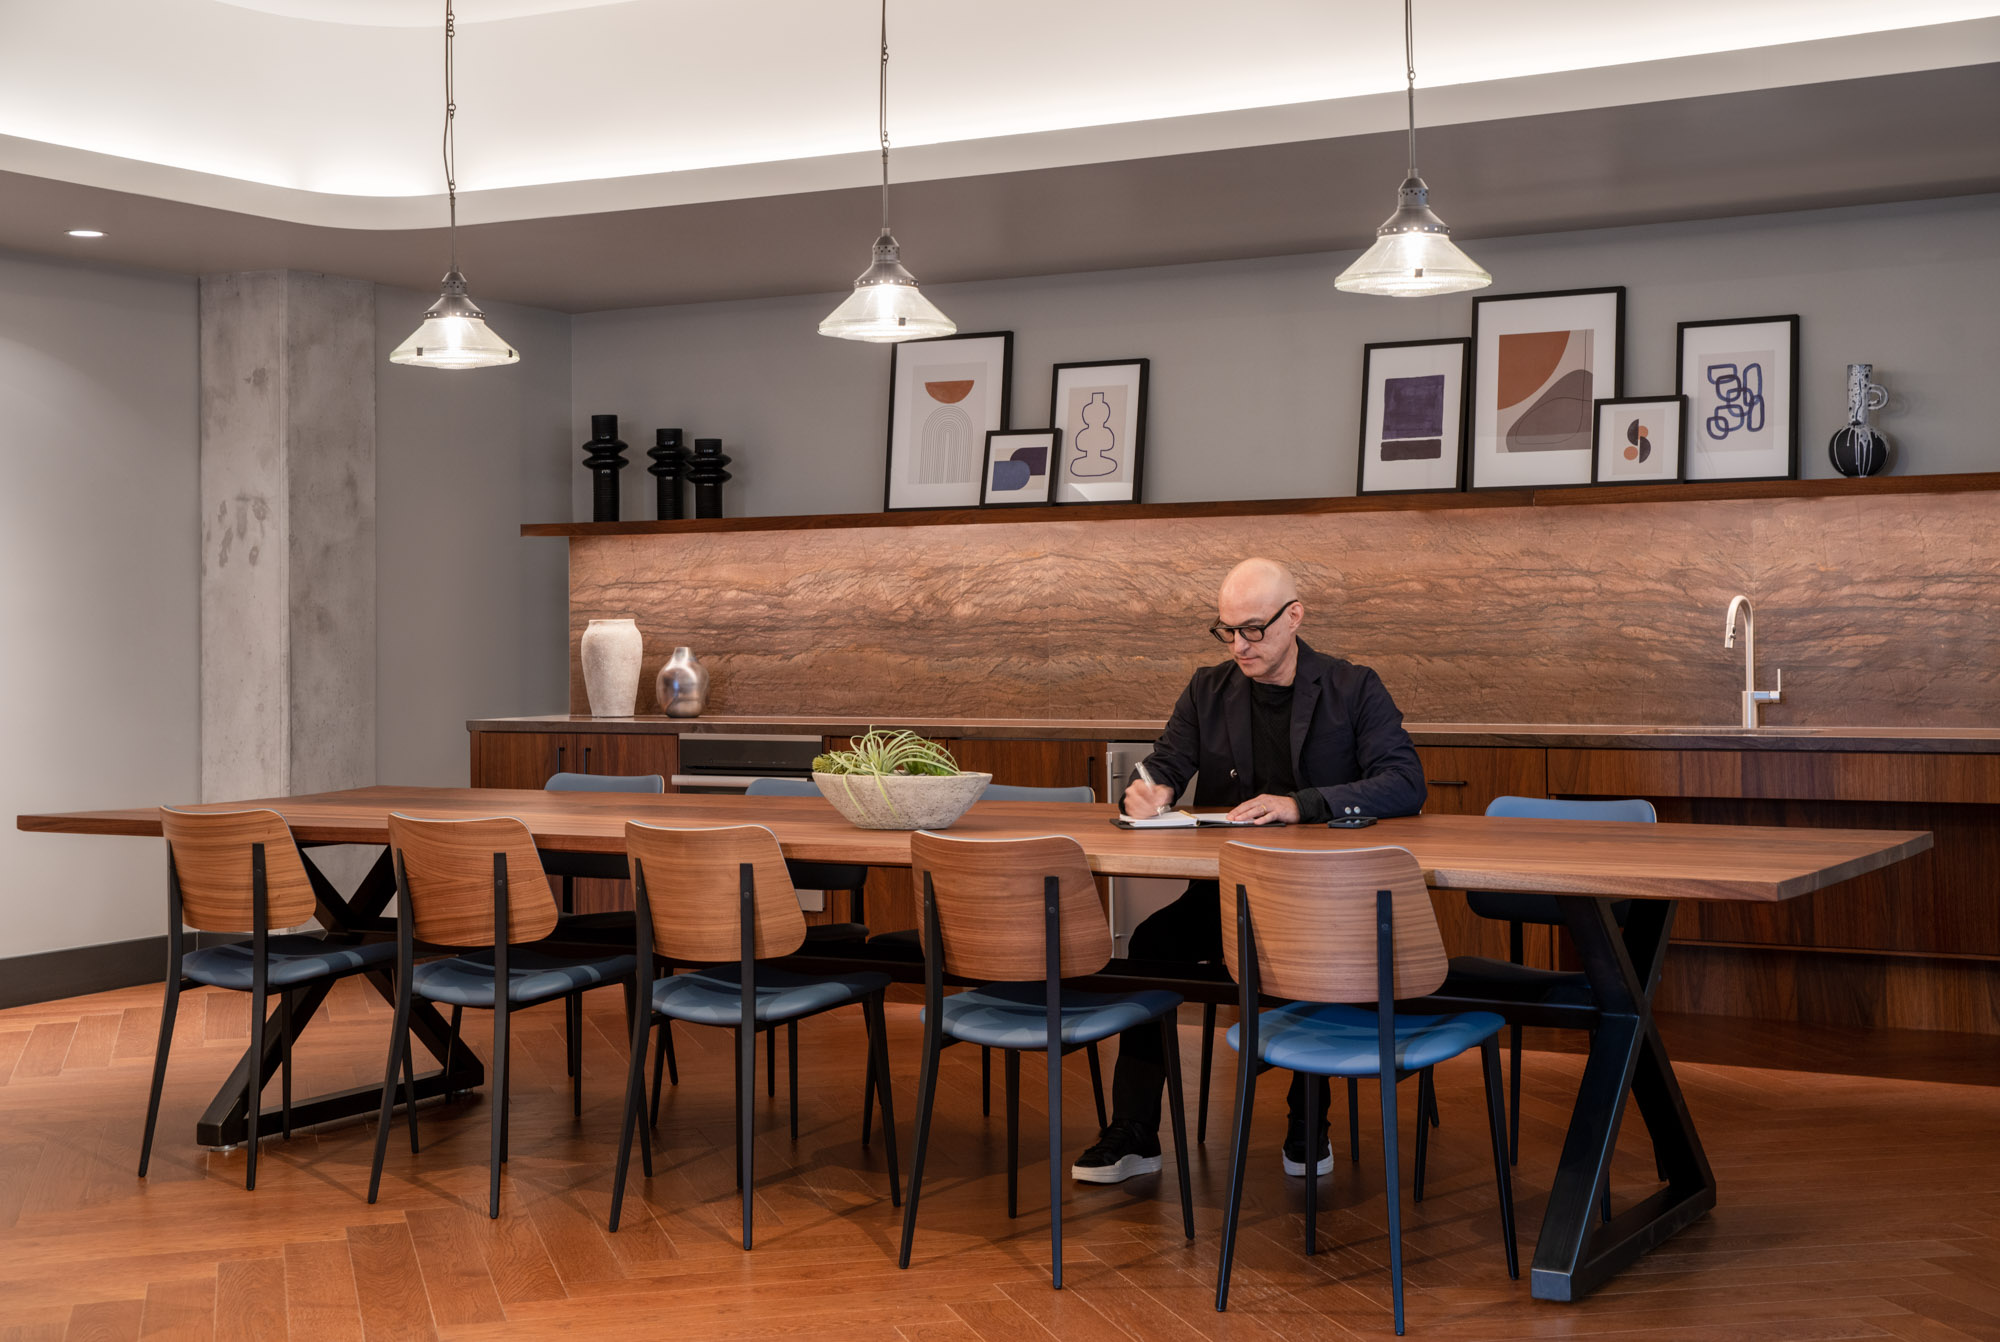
x=715, y=762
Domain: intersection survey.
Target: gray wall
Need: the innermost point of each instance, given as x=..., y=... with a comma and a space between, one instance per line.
x=1256, y=370
x=99, y=588
x=471, y=620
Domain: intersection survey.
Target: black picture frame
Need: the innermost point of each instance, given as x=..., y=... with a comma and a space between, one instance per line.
x=1006, y=339
x=1597, y=408
x=1138, y=422
x=1479, y=304
x=1791, y=387
x=997, y=437
x=1464, y=344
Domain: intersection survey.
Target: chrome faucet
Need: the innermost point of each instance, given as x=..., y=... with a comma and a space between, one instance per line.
x=1752, y=696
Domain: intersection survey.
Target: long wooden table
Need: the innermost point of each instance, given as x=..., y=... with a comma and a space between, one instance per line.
x=1585, y=864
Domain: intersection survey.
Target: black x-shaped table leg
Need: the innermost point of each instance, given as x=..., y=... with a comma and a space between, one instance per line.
x=1577, y=1250
x=346, y=919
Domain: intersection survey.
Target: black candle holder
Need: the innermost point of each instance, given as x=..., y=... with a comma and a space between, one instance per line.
x=670, y=459
x=706, y=474
x=604, y=457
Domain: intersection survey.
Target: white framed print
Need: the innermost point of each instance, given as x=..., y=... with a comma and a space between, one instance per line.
x=1741, y=378
x=1639, y=440
x=1540, y=362
x=1413, y=416
x=945, y=396
x=1020, y=468
x=1100, y=409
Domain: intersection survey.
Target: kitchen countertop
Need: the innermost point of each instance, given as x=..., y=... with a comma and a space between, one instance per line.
x=1587, y=736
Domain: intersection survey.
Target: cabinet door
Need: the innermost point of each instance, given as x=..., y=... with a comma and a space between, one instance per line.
x=629, y=753
x=517, y=759
x=1462, y=780
x=1035, y=763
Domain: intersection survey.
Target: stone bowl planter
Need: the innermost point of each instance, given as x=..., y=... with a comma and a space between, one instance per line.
x=914, y=801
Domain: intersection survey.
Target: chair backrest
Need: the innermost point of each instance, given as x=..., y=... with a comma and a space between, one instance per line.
x=212, y=859
x=605, y=783
x=1312, y=917
x=989, y=905
x=695, y=892
x=1001, y=792
x=784, y=787
x=1559, y=808
x=448, y=869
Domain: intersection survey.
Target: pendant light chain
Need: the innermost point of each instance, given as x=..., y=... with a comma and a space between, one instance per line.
x=450, y=139
x=882, y=113
x=1410, y=88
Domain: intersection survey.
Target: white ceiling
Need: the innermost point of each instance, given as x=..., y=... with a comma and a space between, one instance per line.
x=327, y=112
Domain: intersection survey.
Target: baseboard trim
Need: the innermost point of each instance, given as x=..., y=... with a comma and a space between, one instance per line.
x=51, y=975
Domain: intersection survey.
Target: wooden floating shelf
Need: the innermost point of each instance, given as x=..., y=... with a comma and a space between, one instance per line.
x=1375, y=503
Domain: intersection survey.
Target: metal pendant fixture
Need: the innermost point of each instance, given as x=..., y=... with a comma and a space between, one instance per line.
x=1413, y=255
x=886, y=305
x=454, y=333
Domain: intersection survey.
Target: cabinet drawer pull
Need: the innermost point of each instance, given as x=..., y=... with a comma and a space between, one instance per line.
x=1445, y=782
x=586, y=759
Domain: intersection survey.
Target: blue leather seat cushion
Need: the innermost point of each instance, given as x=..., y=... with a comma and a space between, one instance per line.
x=714, y=996
x=532, y=976
x=1015, y=1015
x=1333, y=1040
x=291, y=960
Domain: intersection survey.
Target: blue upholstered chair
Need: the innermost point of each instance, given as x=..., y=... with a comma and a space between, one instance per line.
x=1020, y=916
x=1330, y=929
x=720, y=897
x=1478, y=976
x=240, y=871
x=479, y=885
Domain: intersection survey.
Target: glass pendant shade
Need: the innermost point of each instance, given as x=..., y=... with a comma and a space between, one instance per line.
x=1413, y=255
x=454, y=334
x=886, y=305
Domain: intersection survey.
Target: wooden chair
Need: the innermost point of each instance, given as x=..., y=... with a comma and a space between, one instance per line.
x=1023, y=915
x=1329, y=927
x=240, y=871
x=721, y=897
x=478, y=884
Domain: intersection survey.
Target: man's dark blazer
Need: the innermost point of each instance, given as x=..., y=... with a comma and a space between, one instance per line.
x=1348, y=741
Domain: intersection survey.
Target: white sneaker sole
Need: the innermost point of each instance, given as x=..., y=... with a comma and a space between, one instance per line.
x=1126, y=1168
x=1297, y=1168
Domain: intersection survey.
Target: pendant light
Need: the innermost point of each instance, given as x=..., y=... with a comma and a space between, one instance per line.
x=886, y=305
x=1413, y=255
x=454, y=333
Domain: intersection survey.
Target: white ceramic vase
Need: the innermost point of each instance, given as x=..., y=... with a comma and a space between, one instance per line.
x=612, y=650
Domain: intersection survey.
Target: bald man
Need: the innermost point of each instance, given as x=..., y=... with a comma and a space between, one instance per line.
x=1279, y=734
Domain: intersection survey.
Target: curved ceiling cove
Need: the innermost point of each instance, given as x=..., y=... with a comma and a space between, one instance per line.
x=412, y=13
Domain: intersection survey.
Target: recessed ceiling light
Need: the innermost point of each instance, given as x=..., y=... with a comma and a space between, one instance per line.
x=85, y=233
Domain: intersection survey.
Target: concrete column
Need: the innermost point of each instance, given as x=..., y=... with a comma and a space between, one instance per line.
x=288, y=534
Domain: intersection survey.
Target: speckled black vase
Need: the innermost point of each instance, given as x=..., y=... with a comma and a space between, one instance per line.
x=604, y=457
x=669, y=461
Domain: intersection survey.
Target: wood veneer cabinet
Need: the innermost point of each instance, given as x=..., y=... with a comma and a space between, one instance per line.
x=1463, y=780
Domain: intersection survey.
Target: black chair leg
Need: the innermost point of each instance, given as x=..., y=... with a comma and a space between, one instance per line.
x=985, y=1082
x=635, y=1089
x=1423, y=1133
x=1353, y=1121
x=498, y=1156
x=1097, y=1084
x=792, y=1049
x=575, y=1001
x=868, y=1099
x=398, y=1032
x=878, y=1045
x=746, y=1109
x=1207, y=1064
x=663, y=1064
x=1513, y=1095
x=410, y=1087
x=285, y=1063
x=168, y=1011
x=771, y=1063
x=1013, y=1133
x=570, y=1005
x=1313, y=1081
x=257, y=1005
x=1489, y=1061
x=1239, y=1156
x=1391, y=1173
x=451, y=1045
x=926, y=1096
x=1055, y=1057
x=1170, y=1048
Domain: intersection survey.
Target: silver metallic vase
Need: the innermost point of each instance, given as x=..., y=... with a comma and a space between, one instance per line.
x=682, y=685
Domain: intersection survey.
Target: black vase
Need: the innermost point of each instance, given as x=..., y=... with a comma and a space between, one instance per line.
x=669, y=461
x=706, y=474
x=604, y=457
x=1858, y=450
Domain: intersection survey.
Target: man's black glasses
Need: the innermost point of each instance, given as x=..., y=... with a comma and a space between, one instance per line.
x=1252, y=633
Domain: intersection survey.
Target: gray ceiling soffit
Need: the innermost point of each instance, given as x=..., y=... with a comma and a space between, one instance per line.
x=1892, y=137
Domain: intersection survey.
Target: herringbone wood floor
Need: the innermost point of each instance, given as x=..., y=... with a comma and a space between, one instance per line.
x=1851, y=1207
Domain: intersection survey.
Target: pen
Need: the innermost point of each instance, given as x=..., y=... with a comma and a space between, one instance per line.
x=1148, y=780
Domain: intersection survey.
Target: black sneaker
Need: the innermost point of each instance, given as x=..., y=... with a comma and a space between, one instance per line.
x=1123, y=1149
x=1295, y=1153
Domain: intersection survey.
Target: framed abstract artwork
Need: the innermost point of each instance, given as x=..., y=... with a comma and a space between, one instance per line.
x=1741, y=378
x=1413, y=416
x=1100, y=410
x=1641, y=440
x=1539, y=363
x=945, y=396
x=1020, y=468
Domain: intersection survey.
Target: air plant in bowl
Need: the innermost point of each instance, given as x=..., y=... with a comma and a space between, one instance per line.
x=896, y=780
